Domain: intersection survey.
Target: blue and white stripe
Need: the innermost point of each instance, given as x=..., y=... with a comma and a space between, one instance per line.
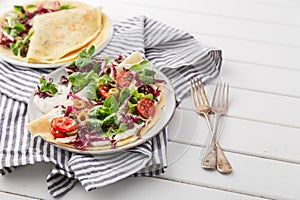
x=174, y=52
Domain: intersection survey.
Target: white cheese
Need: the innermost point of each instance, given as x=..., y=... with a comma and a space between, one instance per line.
x=100, y=143
x=66, y=139
x=45, y=105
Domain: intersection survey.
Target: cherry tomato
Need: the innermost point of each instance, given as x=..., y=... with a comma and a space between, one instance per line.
x=64, y=124
x=146, y=108
x=125, y=79
x=103, y=90
x=57, y=134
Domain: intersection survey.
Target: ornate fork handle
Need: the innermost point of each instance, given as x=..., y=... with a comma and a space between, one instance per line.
x=215, y=156
x=210, y=159
x=223, y=165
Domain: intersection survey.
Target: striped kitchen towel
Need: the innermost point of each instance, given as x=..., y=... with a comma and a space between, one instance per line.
x=176, y=53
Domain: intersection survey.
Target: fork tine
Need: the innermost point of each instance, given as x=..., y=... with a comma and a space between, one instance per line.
x=203, y=95
x=227, y=97
x=199, y=91
x=193, y=92
x=215, y=94
x=224, y=96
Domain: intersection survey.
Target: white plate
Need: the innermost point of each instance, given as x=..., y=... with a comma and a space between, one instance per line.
x=166, y=114
x=42, y=66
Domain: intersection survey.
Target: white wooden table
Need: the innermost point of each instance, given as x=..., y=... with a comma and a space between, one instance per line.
x=260, y=40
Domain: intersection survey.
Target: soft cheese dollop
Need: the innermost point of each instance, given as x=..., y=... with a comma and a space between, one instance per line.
x=45, y=105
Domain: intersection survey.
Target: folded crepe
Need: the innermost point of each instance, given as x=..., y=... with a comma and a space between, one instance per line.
x=41, y=126
x=59, y=36
x=59, y=33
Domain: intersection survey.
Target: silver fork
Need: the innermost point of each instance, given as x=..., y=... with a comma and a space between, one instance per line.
x=219, y=107
x=214, y=156
x=203, y=108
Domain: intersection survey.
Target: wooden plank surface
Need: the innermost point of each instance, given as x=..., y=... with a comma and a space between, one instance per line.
x=252, y=10
x=238, y=136
x=30, y=181
x=253, y=176
x=261, y=78
x=260, y=106
x=260, y=43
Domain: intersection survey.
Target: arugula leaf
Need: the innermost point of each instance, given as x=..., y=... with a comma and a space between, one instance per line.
x=65, y=7
x=113, y=131
x=11, y=19
x=136, y=96
x=125, y=93
x=19, y=27
x=28, y=7
x=47, y=86
x=91, y=50
x=20, y=44
x=19, y=10
x=104, y=79
x=146, y=79
x=94, y=123
x=111, y=102
x=149, y=72
x=108, y=121
x=85, y=57
x=111, y=119
x=13, y=33
x=14, y=48
x=99, y=111
x=122, y=128
x=82, y=61
x=91, y=91
x=144, y=71
x=80, y=80
x=131, y=107
x=141, y=66
x=6, y=29
x=149, y=96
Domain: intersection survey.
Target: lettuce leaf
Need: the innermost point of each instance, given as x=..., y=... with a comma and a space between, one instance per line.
x=80, y=80
x=144, y=71
x=111, y=102
x=125, y=93
x=100, y=112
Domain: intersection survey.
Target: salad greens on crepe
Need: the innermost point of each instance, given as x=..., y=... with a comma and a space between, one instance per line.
x=109, y=99
x=17, y=28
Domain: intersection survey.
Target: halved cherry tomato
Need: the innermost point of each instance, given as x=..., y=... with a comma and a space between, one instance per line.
x=64, y=124
x=103, y=90
x=125, y=79
x=146, y=108
x=57, y=134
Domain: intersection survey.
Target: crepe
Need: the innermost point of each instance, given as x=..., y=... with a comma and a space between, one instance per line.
x=60, y=35
x=44, y=131
x=41, y=127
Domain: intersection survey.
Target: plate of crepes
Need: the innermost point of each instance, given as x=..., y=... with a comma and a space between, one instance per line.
x=101, y=105
x=50, y=33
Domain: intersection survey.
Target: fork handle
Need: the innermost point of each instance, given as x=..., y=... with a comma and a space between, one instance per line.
x=210, y=159
x=223, y=165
